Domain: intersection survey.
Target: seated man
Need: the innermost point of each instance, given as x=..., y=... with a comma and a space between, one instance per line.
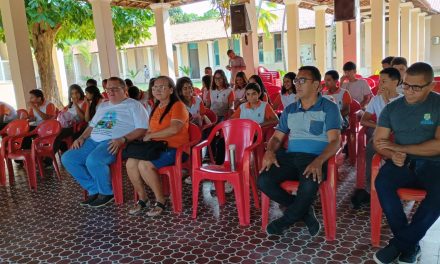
x=386, y=62
x=358, y=88
x=401, y=65
x=313, y=125
x=338, y=95
x=7, y=114
x=116, y=122
x=40, y=109
x=412, y=161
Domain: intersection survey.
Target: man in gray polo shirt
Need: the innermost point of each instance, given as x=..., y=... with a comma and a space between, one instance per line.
x=412, y=161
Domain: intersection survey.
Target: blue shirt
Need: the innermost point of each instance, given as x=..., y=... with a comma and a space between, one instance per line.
x=307, y=129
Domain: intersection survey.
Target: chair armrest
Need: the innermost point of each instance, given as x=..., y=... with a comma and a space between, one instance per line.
x=196, y=153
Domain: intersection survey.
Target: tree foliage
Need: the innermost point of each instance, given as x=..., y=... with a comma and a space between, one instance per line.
x=178, y=16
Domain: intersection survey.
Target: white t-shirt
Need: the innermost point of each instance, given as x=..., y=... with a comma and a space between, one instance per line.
x=357, y=89
x=377, y=104
x=116, y=120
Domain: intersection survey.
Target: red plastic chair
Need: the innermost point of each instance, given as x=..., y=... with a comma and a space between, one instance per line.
x=351, y=132
x=212, y=117
x=407, y=194
x=370, y=82
x=77, y=127
x=437, y=78
x=273, y=89
x=375, y=78
x=360, y=157
x=327, y=192
x=14, y=128
x=22, y=114
x=197, y=91
x=437, y=87
x=42, y=146
x=241, y=133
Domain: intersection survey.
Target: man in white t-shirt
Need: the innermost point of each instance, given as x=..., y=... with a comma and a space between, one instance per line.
x=358, y=88
x=116, y=122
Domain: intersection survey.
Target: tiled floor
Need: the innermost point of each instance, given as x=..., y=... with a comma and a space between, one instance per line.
x=50, y=227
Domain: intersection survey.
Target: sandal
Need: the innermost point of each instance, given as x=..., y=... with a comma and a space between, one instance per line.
x=139, y=207
x=157, y=209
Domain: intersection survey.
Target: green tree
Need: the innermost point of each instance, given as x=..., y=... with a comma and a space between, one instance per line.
x=56, y=22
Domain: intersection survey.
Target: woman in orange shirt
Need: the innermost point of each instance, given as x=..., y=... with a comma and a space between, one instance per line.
x=169, y=121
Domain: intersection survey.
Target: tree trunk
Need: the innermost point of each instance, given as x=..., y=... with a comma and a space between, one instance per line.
x=43, y=40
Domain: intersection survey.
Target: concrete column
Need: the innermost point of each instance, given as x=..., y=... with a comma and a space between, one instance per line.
x=405, y=33
x=394, y=28
x=428, y=39
x=164, y=44
x=210, y=53
x=422, y=37
x=151, y=61
x=414, y=54
x=378, y=38
x=179, y=57
x=249, y=41
x=320, y=38
x=339, y=45
x=123, y=54
x=105, y=37
x=60, y=74
x=292, y=19
x=351, y=39
x=368, y=44
x=19, y=50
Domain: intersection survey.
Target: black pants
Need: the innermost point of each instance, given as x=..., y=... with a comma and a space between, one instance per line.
x=292, y=166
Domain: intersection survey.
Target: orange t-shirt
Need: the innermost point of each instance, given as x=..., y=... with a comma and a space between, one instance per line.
x=177, y=112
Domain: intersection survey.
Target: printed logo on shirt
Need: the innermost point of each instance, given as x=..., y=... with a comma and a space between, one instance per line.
x=108, y=121
x=427, y=120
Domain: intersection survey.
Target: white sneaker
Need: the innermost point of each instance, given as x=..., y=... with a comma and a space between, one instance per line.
x=228, y=187
x=188, y=180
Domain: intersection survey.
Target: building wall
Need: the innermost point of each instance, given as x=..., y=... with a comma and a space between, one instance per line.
x=435, y=49
x=203, y=57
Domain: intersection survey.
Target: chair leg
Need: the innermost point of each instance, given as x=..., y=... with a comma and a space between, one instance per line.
x=195, y=194
x=55, y=165
x=2, y=171
x=116, y=174
x=375, y=218
x=10, y=171
x=328, y=201
x=255, y=192
x=265, y=204
x=32, y=173
x=220, y=190
x=240, y=202
x=40, y=167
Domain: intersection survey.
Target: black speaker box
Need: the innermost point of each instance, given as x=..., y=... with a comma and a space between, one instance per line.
x=344, y=10
x=239, y=19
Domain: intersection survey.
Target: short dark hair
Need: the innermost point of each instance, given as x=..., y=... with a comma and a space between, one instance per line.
x=291, y=76
x=253, y=86
x=388, y=60
x=316, y=75
x=393, y=73
x=116, y=79
x=399, y=61
x=133, y=92
x=129, y=82
x=91, y=82
x=334, y=74
x=208, y=68
x=37, y=93
x=229, y=51
x=349, y=66
x=421, y=68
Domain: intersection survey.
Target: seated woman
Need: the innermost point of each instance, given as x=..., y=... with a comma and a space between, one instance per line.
x=194, y=104
x=40, y=109
x=239, y=91
x=288, y=92
x=169, y=122
x=255, y=109
x=7, y=114
x=206, y=85
x=221, y=96
x=93, y=99
x=264, y=96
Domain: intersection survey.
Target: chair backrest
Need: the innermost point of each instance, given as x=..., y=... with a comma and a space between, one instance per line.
x=241, y=133
x=437, y=78
x=354, y=107
x=375, y=90
x=211, y=115
x=22, y=114
x=437, y=87
x=197, y=91
x=16, y=127
x=273, y=89
x=195, y=135
x=48, y=128
x=370, y=82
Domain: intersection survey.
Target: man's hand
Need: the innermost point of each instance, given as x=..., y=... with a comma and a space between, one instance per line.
x=314, y=170
x=114, y=145
x=269, y=159
x=386, y=144
x=78, y=143
x=398, y=158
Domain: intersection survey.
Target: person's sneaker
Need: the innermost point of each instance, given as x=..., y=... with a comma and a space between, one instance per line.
x=188, y=180
x=139, y=207
x=228, y=188
x=312, y=222
x=102, y=200
x=410, y=256
x=360, y=197
x=89, y=199
x=386, y=255
x=278, y=226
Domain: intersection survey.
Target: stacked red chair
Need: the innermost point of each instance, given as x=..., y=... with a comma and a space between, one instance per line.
x=247, y=136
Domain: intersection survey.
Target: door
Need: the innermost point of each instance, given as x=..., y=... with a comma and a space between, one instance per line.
x=193, y=53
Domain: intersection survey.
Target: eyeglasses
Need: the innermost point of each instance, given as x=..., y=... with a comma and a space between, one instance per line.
x=113, y=89
x=301, y=80
x=415, y=88
x=218, y=78
x=159, y=87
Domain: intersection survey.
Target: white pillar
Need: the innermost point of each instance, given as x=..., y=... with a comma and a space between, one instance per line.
x=422, y=37
x=428, y=39
x=378, y=38
x=60, y=73
x=179, y=57
x=19, y=50
x=249, y=41
x=151, y=62
x=320, y=37
x=164, y=44
x=339, y=46
x=405, y=37
x=105, y=37
x=123, y=54
x=394, y=28
x=414, y=55
x=293, y=48
x=210, y=54
x=368, y=44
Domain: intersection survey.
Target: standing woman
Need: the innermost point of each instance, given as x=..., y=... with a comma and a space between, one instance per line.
x=288, y=92
x=194, y=104
x=221, y=99
x=93, y=99
x=169, y=121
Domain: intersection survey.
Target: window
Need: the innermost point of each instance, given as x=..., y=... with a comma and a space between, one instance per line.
x=260, y=49
x=192, y=46
x=216, y=54
x=278, y=52
x=237, y=47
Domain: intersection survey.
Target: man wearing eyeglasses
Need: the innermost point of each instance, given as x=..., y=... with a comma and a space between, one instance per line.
x=412, y=161
x=116, y=122
x=313, y=126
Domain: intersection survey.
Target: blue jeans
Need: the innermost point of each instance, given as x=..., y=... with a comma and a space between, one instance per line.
x=89, y=165
x=417, y=173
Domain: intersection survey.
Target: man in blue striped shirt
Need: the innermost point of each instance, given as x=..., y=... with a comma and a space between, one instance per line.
x=313, y=125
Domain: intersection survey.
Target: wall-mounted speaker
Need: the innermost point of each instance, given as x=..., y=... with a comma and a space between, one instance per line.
x=239, y=19
x=344, y=10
